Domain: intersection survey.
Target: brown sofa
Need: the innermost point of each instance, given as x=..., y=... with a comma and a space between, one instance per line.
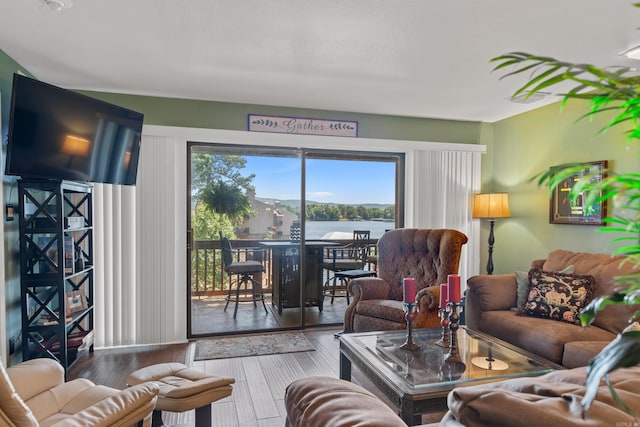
x=491, y=301
x=428, y=256
x=549, y=400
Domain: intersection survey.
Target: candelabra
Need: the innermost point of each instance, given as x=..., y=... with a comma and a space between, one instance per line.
x=409, y=315
x=453, y=355
x=444, y=321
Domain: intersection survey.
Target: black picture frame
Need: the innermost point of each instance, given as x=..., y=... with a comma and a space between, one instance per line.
x=564, y=211
x=76, y=301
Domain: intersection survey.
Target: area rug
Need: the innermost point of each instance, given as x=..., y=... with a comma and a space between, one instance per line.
x=251, y=345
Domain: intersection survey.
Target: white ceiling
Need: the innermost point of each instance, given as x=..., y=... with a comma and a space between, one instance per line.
x=419, y=58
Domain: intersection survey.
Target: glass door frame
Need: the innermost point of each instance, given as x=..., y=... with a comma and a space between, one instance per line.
x=304, y=153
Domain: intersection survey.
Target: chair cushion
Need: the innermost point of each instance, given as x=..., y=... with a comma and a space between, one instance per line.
x=580, y=353
x=36, y=376
x=183, y=388
x=343, y=264
x=543, y=337
x=382, y=309
x=122, y=409
x=12, y=406
x=245, y=267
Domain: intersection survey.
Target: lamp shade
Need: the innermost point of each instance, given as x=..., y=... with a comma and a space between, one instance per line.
x=491, y=205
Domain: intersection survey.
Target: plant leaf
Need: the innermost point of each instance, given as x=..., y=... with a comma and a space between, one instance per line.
x=622, y=352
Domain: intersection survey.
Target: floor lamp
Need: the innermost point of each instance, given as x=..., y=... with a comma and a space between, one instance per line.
x=492, y=206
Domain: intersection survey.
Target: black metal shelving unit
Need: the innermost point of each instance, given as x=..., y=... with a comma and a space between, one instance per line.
x=56, y=269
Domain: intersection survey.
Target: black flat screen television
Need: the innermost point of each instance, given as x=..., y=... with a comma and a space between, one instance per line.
x=59, y=134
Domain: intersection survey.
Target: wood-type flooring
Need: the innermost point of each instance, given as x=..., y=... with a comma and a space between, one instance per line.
x=258, y=394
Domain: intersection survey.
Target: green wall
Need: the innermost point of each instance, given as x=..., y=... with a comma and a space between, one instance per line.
x=12, y=267
x=7, y=67
x=530, y=143
x=231, y=116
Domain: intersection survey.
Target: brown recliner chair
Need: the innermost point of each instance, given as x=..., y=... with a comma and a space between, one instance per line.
x=428, y=256
x=34, y=393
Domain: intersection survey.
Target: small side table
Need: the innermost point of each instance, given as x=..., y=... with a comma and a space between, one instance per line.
x=347, y=275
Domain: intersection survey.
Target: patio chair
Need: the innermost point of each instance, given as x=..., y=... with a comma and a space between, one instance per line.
x=428, y=256
x=352, y=256
x=244, y=272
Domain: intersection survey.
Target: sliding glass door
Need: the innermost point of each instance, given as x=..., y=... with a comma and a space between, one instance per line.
x=283, y=208
x=352, y=191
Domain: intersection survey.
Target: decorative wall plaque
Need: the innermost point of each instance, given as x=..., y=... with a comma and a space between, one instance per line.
x=302, y=125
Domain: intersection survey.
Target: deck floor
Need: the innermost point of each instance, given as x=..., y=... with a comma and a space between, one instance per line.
x=208, y=316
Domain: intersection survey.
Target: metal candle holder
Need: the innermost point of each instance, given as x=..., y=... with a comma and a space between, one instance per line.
x=408, y=310
x=444, y=321
x=453, y=355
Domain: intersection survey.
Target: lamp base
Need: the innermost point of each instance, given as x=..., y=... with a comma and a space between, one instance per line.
x=489, y=364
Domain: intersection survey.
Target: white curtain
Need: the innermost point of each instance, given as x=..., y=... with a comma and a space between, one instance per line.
x=441, y=186
x=115, y=285
x=139, y=253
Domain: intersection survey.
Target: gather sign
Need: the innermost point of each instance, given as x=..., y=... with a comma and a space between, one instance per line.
x=302, y=125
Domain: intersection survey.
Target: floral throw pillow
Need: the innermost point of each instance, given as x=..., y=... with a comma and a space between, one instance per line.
x=557, y=296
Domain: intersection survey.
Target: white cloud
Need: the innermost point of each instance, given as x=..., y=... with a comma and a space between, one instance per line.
x=320, y=195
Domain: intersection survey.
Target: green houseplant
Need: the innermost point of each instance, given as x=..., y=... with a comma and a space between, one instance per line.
x=614, y=91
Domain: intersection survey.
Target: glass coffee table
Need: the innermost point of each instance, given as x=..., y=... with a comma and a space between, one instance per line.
x=418, y=381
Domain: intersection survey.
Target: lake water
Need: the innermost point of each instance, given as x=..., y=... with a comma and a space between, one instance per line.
x=318, y=229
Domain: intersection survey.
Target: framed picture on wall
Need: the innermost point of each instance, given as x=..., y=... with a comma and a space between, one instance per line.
x=562, y=210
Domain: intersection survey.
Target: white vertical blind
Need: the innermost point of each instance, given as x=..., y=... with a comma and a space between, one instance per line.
x=139, y=253
x=161, y=197
x=3, y=310
x=115, y=267
x=443, y=184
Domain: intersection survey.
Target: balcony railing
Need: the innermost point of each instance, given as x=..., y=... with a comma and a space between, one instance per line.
x=207, y=271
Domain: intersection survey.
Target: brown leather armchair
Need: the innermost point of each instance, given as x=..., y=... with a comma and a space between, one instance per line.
x=34, y=393
x=428, y=256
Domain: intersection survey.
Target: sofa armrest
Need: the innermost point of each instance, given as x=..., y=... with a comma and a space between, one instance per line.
x=538, y=263
x=124, y=408
x=428, y=299
x=427, y=302
x=325, y=401
x=369, y=288
x=363, y=288
x=553, y=399
x=487, y=293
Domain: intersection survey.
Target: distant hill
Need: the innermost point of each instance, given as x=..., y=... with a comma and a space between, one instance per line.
x=294, y=203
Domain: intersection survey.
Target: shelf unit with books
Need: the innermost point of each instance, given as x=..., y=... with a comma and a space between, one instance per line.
x=56, y=269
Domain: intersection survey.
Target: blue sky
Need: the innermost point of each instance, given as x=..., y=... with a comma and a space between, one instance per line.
x=335, y=181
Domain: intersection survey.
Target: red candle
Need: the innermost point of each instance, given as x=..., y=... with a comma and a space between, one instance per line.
x=454, y=287
x=409, y=290
x=444, y=295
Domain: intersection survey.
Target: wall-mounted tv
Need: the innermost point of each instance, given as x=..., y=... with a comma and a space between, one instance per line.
x=59, y=134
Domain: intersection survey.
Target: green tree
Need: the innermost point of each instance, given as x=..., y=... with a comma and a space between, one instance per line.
x=362, y=212
x=219, y=185
x=389, y=212
x=218, y=189
x=207, y=168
